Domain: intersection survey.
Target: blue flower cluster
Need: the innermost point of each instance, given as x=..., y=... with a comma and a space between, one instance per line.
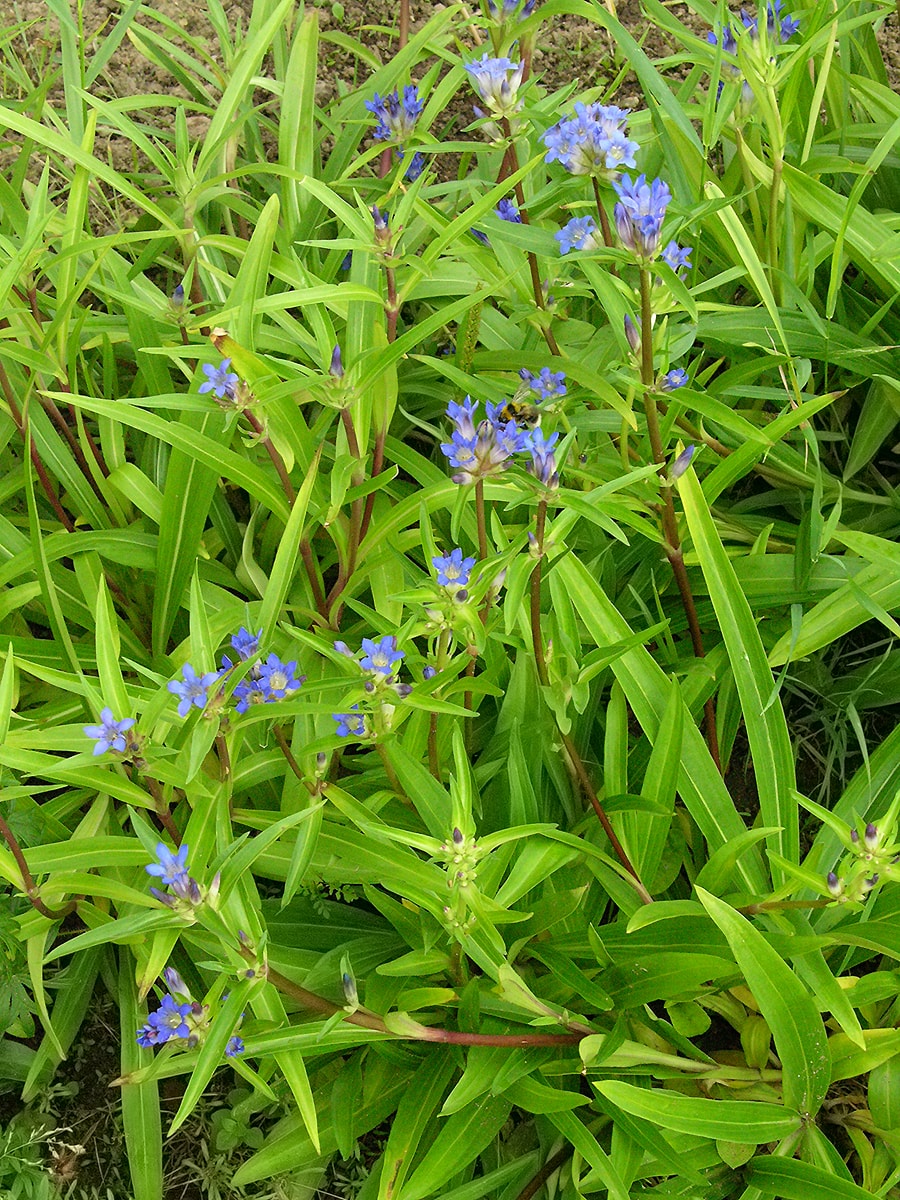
x=179, y=1018
x=396, y=118
x=497, y=82
x=266, y=682
x=777, y=26
x=172, y=870
x=396, y=121
x=507, y=9
x=507, y=211
x=640, y=213
x=549, y=385
x=487, y=449
x=378, y=658
x=592, y=141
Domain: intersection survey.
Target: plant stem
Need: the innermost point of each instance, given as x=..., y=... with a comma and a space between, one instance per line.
x=289, y=756
x=413, y=1030
x=29, y=886
x=575, y=759
x=277, y=461
x=509, y=166
x=671, y=540
x=604, y=219
x=162, y=808
x=348, y=566
x=535, y=1184
x=481, y=518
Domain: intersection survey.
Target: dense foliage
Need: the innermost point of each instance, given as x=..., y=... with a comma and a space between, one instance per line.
x=431, y=546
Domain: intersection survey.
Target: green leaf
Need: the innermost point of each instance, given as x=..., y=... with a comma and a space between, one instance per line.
x=797, y=1029
x=741, y=1121
x=414, y=1113
x=141, y=1117
x=770, y=743
x=646, y=688
x=792, y=1179
x=459, y=1142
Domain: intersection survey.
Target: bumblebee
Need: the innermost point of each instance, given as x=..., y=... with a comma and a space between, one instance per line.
x=520, y=409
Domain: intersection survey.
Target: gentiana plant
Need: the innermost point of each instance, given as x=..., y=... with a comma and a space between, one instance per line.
x=430, y=517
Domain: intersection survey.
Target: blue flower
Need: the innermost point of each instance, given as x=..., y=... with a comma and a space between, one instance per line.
x=414, y=167
x=380, y=656
x=577, y=234
x=109, y=732
x=677, y=257
x=676, y=378
x=221, y=381
x=549, y=385
x=508, y=8
x=640, y=213
x=452, y=569
x=235, y=1046
x=592, y=141
x=193, y=689
x=277, y=678
x=482, y=450
x=396, y=118
x=543, y=459
x=166, y=1023
x=497, y=82
x=171, y=868
x=350, y=724
x=507, y=211
x=245, y=644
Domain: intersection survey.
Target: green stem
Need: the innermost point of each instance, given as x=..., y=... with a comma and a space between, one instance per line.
x=671, y=540
x=553, y=1164
x=481, y=518
x=413, y=1031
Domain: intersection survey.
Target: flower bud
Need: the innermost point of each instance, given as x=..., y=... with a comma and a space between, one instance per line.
x=337, y=367
x=871, y=837
x=834, y=884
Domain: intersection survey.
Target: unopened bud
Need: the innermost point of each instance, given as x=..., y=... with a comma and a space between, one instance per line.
x=343, y=648
x=382, y=233
x=633, y=334
x=871, y=836
x=348, y=983
x=175, y=983
x=177, y=297
x=834, y=884
x=682, y=462
x=854, y=836
x=428, y=673
x=337, y=367
x=458, y=837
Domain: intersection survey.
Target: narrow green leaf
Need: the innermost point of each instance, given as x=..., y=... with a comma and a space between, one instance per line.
x=800, y=1039
x=460, y=1140
x=792, y=1179
x=413, y=1115
x=141, y=1118
x=741, y=1121
x=767, y=731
